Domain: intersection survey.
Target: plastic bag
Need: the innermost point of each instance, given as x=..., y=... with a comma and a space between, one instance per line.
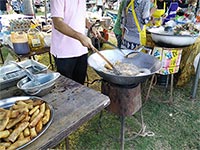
x=35, y=39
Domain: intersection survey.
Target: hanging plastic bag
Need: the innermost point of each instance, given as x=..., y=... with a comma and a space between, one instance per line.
x=35, y=39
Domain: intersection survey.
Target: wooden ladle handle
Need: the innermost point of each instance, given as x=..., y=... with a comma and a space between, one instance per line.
x=108, y=62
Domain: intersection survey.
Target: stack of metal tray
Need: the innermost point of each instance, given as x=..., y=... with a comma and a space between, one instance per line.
x=10, y=74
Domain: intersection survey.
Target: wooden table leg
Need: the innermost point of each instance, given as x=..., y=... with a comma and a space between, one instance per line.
x=67, y=143
x=50, y=61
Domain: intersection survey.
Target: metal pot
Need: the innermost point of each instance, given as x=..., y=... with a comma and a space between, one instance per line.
x=168, y=39
x=44, y=84
x=140, y=60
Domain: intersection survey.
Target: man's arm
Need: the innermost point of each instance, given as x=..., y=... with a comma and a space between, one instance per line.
x=65, y=29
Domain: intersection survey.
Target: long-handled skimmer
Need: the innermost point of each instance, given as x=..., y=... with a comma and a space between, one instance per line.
x=109, y=64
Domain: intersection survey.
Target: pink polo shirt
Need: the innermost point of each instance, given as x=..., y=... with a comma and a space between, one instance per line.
x=74, y=13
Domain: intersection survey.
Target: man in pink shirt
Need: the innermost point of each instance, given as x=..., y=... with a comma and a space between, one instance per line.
x=69, y=44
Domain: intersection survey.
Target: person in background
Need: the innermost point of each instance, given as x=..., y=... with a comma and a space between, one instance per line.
x=28, y=8
x=130, y=32
x=100, y=6
x=157, y=12
x=3, y=8
x=16, y=5
x=171, y=12
x=69, y=44
x=117, y=27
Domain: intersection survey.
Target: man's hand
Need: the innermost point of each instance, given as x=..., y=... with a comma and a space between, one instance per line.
x=85, y=41
x=67, y=30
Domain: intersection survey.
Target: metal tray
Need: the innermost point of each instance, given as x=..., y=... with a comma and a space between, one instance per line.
x=8, y=102
x=10, y=74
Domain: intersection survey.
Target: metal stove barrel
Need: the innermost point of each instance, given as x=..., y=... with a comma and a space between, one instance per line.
x=125, y=100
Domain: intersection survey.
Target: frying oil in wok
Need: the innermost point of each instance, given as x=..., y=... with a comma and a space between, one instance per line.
x=128, y=69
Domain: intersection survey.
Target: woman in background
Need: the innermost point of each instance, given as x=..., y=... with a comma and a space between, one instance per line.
x=130, y=31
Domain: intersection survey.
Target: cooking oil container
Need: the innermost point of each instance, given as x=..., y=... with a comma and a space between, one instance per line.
x=35, y=39
x=20, y=42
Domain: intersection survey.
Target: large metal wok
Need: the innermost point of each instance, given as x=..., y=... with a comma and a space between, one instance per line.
x=141, y=60
x=168, y=39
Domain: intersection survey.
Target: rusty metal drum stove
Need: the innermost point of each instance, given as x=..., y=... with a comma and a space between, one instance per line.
x=125, y=101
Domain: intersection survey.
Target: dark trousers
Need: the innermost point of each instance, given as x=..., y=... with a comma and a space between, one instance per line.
x=100, y=7
x=74, y=68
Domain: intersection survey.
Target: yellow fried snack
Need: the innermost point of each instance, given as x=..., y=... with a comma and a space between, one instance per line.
x=19, y=143
x=35, y=114
x=33, y=132
x=6, y=144
x=2, y=147
x=30, y=101
x=46, y=117
x=36, y=120
x=14, y=113
x=39, y=126
x=13, y=122
x=33, y=110
x=27, y=118
x=16, y=132
x=4, y=118
x=27, y=132
x=4, y=134
x=37, y=102
x=21, y=136
x=42, y=108
x=22, y=104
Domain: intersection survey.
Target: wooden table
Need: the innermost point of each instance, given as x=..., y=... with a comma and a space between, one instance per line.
x=74, y=104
